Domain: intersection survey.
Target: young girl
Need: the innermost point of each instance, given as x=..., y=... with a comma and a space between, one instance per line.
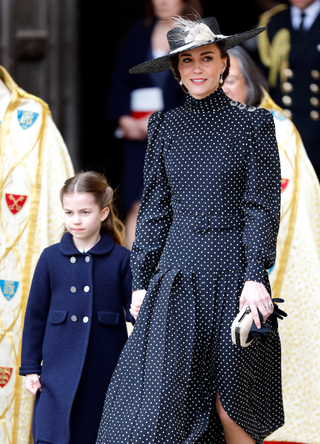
x=74, y=325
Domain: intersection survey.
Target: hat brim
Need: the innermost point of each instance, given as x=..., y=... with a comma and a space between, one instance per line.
x=163, y=63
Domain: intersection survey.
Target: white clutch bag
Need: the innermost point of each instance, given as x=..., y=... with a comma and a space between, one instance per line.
x=244, y=330
x=241, y=327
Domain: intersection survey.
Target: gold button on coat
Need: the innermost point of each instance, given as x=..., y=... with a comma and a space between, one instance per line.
x=314, y=101
x=287, y=100
x=315, y=115
x=287, y=87
x=288, y=72
x=86, y=288
x=314, y=88
x=74, y=318
x=73, y=259
x=73, y=289
x=315, y=74
x=85, y=319
x=87, y=259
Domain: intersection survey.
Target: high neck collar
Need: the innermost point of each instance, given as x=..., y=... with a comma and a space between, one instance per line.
x=213, y=102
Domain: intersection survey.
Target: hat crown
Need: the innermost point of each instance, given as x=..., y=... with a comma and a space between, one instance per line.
x=187, y=35
x=176, y=36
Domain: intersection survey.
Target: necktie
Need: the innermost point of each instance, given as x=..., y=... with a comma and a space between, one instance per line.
x=303, y=15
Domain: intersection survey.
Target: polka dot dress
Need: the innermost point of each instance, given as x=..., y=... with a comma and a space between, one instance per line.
x=208, y=221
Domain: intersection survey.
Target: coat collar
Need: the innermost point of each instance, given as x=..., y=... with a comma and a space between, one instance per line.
x=104, y=246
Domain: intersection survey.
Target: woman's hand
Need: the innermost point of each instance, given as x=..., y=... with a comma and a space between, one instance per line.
x=33, y=384
x=136, y=301
x=134, y=129
x=256, y=296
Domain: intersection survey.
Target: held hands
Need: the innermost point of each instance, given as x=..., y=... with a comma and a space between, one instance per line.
x=136, y=301
x=33, y=384
x=256, y=296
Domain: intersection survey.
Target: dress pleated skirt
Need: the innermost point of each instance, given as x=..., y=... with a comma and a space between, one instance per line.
x=179, y=355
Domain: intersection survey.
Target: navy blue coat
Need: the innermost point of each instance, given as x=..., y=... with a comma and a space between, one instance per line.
x=75, y=324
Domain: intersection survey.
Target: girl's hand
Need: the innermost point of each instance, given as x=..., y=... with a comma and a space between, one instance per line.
x=33, y=384
x=136, y=301
x=256, y=296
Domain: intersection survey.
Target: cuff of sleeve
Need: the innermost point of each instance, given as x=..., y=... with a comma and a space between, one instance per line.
x=255, y=272
x=129, y=318
x=29, y=370
x=138, y=282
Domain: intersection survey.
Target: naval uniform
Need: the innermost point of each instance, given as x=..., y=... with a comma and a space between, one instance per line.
x=208, y=221
x=297, y=88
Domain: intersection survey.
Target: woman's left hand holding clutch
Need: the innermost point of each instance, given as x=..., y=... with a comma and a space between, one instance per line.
x=256, y=296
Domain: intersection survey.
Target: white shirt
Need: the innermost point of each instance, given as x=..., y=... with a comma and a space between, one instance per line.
x=311, y=13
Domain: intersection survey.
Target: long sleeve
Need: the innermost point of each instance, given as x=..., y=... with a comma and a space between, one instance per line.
x=36, y=319
x=126, y=284
x=155, y=214
x=261, y=200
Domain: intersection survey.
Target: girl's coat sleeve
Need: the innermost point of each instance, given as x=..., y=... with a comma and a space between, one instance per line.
x=36, y=319
x=261, y=200
x=126, y=284
x=155, y=214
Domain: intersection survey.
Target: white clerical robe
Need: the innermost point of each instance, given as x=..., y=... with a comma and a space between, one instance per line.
x=34, y=163
x=296, y=278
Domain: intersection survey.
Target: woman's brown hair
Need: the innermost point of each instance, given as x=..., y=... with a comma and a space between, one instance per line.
x=174, y=61
x=97, y=185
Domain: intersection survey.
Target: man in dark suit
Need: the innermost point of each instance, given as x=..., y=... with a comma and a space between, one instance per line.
x=290, y=54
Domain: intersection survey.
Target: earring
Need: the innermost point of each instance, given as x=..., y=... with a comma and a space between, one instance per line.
x=181, y=83
x=221, y=78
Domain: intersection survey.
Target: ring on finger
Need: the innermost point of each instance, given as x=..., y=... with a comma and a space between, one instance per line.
x=269, y=306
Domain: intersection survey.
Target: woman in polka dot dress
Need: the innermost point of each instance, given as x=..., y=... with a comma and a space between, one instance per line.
x=205, y=237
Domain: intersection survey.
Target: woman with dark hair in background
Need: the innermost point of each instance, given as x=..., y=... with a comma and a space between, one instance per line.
x=206, y=235
x=132, y=99
x=295, y=274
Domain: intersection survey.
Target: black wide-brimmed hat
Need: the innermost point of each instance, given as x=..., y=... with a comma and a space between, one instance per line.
x=190, y=34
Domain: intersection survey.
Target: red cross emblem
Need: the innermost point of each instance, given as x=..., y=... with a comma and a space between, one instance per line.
x=15, y=202
x=5, y=375
x=284, y=183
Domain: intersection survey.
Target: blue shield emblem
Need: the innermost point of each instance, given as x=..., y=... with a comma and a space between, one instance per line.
x=8, y=288
x=278, y=115
x=26, y=118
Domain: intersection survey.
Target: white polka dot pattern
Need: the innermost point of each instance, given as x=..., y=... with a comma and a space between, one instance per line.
x=208, y=221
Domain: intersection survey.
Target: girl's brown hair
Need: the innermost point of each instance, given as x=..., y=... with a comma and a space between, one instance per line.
x=174, y=61
x=97, y=185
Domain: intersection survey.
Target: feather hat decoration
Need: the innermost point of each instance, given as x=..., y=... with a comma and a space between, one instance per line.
x=189, y=34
